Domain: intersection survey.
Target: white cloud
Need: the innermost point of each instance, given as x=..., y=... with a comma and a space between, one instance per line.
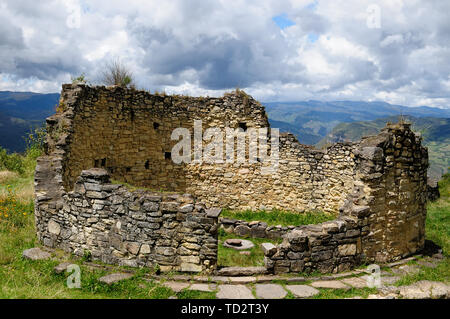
x=207, y=47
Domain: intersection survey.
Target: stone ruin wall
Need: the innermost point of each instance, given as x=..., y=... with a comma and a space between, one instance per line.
x=377, y=183
x=128, y=133
x=383, y=218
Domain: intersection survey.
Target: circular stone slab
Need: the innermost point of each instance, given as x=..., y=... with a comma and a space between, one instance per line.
x=233, y=243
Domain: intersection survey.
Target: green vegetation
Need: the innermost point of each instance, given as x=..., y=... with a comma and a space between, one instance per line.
x=278, y=217
x=80, y=79
x=343, y=293
x=117, y=73
x=21, y=112
x=440, y=273
x=438, y=217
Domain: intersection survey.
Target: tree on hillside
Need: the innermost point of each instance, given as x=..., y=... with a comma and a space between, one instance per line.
x=116, y=73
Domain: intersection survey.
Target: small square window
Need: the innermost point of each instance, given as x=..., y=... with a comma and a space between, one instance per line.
x=156, y=125
x=167, y=155
x=243, y=126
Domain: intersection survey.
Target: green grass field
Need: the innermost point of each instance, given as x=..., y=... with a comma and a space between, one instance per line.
x=277, y=217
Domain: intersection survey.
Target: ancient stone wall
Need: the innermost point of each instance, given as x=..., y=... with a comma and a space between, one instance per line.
x=137, y=228
x=383, y=218
x=128, y=133
x=377, y=186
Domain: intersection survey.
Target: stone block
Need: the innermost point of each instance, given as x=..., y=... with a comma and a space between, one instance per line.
x=268, y=249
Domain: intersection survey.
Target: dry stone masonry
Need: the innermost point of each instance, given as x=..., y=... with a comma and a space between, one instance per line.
x=102, y=138
x=383, y=218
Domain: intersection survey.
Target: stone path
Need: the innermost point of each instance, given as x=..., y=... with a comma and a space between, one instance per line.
x=330, y=284
x=234, y=292
x=270, y=291
x=253, y=282
x=113, y=278
x=233, y=285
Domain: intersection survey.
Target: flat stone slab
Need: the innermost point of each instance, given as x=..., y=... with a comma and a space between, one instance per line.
x=234, y=292
x=270, y=291
x=294, y=279
x=61, y=267
x=221, y=279
x=425, y=289
x=406, y=270
x=176, y=285
x=302, y=291
x=238, y=244
x=428, y=264
x=355, y=282
x=389, y=280
x=329, y=284
x=242, y=280
x=36, y=254
x=203, y=287
x=268, y=249
x=242, y=271
x=113, y=278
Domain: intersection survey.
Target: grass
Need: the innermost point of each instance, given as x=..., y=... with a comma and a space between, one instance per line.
x=278, y=217
x=344, y=293
x=440, y=273
x=438, y=217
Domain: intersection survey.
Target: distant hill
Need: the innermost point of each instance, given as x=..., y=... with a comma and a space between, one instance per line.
x=19, y=113
x=311, y=121
x=435, y=133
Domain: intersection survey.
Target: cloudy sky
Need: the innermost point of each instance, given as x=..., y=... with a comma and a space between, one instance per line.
x=277, y=50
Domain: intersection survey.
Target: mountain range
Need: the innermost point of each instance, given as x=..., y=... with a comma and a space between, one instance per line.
x=313, y=122
x=20, y=112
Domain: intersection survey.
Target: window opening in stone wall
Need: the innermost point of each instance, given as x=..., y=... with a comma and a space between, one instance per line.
x=243, y=126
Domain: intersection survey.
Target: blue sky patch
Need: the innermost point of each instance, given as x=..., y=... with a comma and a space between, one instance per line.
x=312, y=6
x=283, y=21
x=312, y=37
